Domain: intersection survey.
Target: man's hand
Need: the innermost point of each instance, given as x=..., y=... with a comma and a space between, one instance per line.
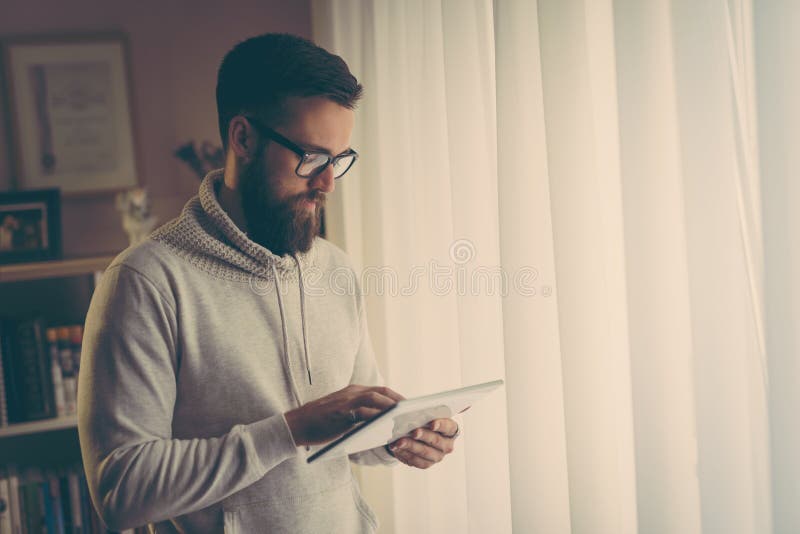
x=426, y=445
x=331, y=416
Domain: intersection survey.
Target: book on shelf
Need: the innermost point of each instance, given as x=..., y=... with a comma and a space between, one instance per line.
x=14, y=503
x=33, y=371
x=26, y=371
x=9, y=386
x=3, y=402
x=69, y=370
x=39, y=370
x=51, y=334
x=5, y=506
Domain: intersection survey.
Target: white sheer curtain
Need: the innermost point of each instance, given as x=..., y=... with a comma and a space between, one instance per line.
x=650, y=362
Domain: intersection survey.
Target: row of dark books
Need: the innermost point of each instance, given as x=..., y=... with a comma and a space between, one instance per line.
x=48, y=501
x=39, y=371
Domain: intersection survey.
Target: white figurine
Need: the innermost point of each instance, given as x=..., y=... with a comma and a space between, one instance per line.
x=137, y=221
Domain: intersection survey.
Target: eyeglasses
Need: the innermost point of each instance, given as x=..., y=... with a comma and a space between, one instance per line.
x=311, y=163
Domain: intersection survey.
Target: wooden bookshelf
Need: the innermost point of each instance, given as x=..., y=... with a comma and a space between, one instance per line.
x=26, y=440
x=39, y=270
x=35, y=427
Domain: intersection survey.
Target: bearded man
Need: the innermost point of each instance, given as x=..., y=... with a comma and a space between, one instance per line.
x=210, y=370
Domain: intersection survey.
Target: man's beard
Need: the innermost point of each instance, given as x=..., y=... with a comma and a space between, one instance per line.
x=280, y=226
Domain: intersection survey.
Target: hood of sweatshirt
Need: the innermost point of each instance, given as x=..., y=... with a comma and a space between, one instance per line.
x=205, y=235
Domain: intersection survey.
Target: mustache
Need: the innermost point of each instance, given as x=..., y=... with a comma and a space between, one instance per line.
x=316, y=196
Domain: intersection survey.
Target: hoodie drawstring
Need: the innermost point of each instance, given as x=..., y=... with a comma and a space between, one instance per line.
x=303, y=319
x=286, y=364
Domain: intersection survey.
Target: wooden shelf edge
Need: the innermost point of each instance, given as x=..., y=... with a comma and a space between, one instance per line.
x=35, y=427
x=18, y=272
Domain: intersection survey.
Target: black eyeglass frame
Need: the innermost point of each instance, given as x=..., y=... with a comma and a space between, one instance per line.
x=303, y=154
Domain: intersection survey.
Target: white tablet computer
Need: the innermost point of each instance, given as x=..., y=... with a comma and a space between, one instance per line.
x=404, y=417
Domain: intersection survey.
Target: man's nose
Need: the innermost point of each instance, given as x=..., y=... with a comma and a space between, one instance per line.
x=324, y=181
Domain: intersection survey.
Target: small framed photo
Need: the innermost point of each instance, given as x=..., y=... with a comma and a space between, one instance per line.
x=30, y=226
x=70, y=111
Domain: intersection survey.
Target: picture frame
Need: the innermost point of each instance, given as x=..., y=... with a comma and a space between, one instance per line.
x=30, y=226
x=70, y=109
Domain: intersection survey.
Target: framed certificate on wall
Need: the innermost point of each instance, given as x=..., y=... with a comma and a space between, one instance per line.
x=69, y=105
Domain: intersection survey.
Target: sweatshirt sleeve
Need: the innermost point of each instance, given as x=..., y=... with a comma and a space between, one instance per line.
x=136, y=472
x=366, y=372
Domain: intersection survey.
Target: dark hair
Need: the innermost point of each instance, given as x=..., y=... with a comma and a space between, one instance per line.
x=258, y=74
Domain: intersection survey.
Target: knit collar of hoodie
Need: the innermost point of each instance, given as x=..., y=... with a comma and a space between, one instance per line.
x=206, y=235
x=285, y=265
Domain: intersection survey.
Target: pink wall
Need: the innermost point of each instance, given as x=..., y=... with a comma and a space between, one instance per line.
x=175, y=49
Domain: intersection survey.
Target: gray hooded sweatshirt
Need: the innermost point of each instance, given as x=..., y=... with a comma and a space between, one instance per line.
x=197, y=341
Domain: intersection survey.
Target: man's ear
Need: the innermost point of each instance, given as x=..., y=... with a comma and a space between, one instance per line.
x=242, y=138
